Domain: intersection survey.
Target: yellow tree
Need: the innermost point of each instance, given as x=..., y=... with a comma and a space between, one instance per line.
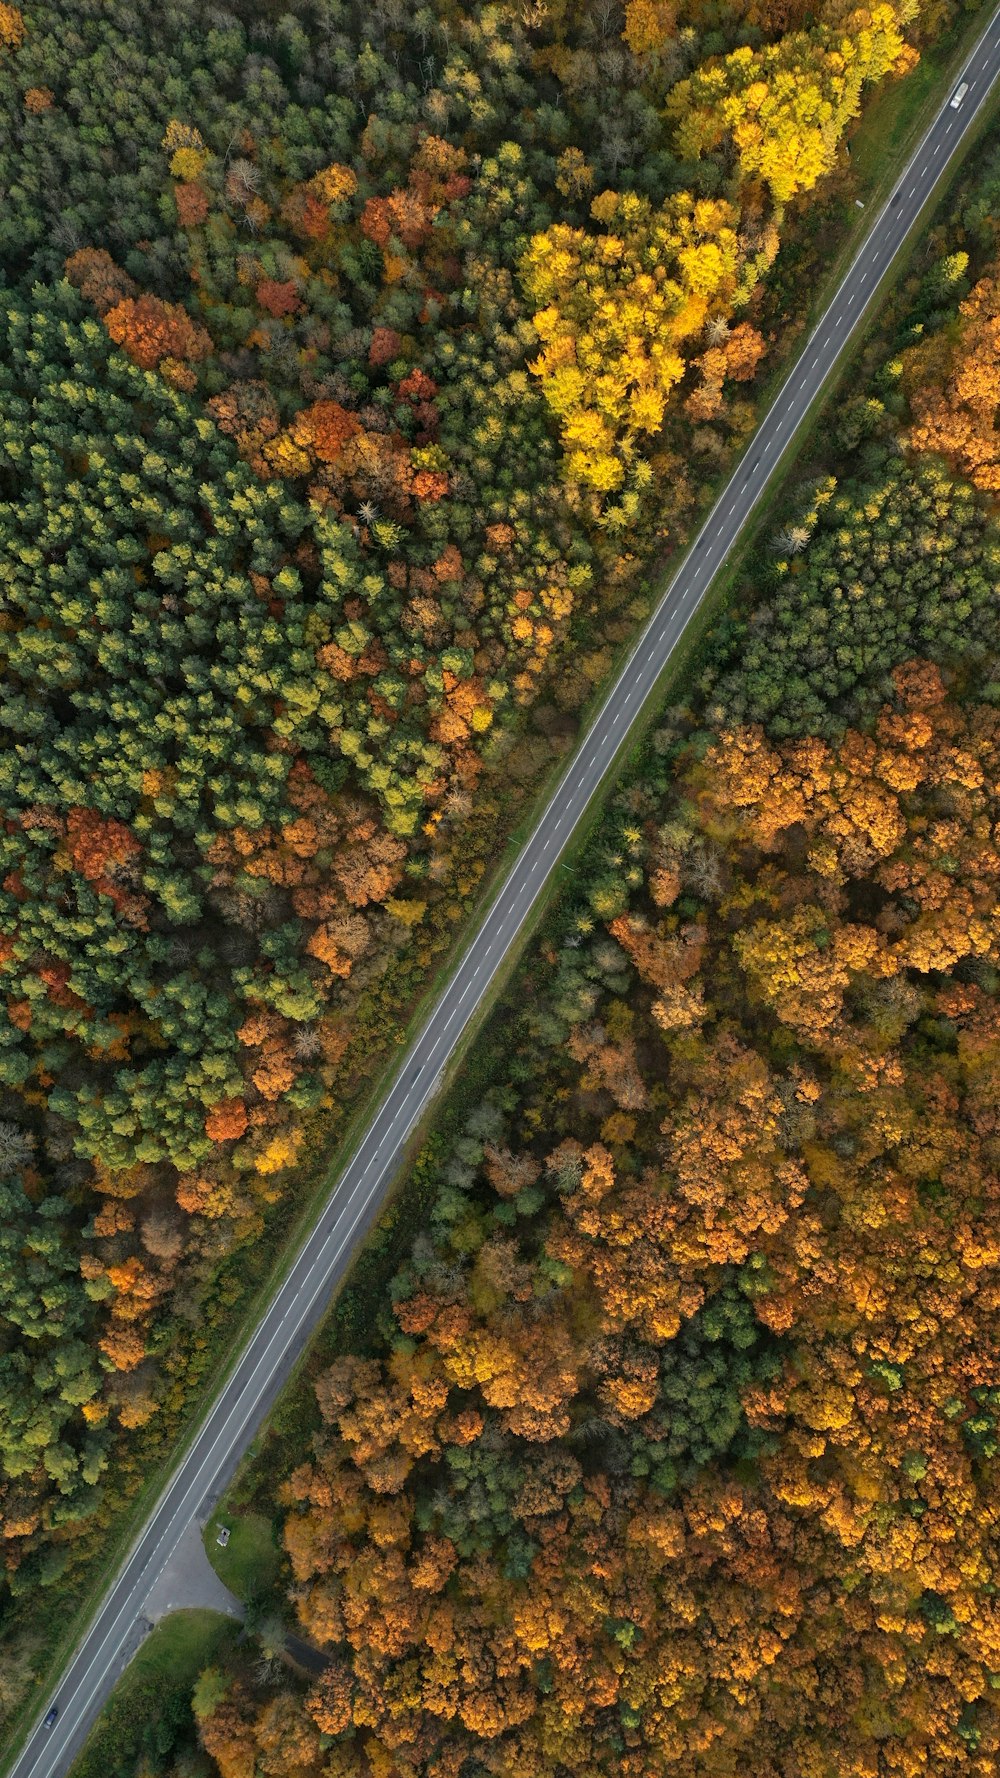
x=613, y=310
x=785, y=106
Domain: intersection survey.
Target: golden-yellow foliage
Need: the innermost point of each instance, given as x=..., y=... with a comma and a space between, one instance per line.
x=614, y=308
x=786, y=106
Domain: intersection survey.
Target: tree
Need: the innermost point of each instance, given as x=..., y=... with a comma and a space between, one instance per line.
x=958, y=416
x=612, y=312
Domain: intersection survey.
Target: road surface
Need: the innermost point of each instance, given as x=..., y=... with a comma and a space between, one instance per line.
x=287, y=1324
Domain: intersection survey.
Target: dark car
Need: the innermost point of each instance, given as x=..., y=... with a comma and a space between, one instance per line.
x=53, y=1713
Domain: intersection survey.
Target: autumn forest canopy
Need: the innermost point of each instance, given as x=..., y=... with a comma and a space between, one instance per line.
x=357, y=365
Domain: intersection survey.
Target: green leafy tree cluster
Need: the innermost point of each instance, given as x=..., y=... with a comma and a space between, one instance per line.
x=899, y=563
x=143, y=678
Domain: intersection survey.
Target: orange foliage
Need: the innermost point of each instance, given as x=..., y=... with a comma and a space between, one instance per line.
x=227, y=1733
x=324, y=429
x=151, y=331
x=124, y=1346
x=736, y=359
x=957, y=414
x=98, y=278
x=837, y=1583
x=192, y=204
x=226, y=1120
x=100, y=848
x=201, y=1196
x=247, y=413
x=97, y=844
x=12, y=27
x=278, y=298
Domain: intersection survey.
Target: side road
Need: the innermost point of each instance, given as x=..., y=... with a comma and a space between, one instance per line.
x=293, y=1314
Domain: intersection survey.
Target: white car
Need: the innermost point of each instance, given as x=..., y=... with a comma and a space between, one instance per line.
x=958, y=95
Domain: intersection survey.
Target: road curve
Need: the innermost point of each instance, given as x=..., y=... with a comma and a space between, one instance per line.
x=291, y=1317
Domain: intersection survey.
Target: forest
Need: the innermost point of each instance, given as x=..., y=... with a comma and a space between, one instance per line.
x=663, y=1443
x=356, y=364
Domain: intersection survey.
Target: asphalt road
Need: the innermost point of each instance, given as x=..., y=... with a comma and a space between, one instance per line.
x=249, y=1393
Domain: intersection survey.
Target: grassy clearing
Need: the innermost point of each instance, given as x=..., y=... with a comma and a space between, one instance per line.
x=151, y=1705
x=250, y=1563
x=890, y=119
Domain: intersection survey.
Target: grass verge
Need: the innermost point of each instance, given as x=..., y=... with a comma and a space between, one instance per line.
x=150, y=1709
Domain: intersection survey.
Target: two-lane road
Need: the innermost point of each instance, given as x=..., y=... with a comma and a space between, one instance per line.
x=301, y=1300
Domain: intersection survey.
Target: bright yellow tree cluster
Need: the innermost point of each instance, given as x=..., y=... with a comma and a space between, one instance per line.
x=613, y=310
x=786, y=106
x=615, y=304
